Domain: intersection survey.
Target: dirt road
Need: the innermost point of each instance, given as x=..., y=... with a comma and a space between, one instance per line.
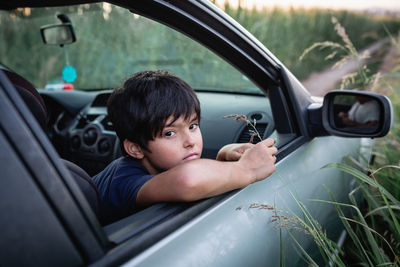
x=319, y=83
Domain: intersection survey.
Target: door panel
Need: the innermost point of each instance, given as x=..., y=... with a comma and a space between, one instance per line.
x=31, y=232
x=232, y=234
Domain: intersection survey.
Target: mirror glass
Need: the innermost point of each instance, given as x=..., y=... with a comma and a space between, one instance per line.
x=58, y=34
x=356, y=111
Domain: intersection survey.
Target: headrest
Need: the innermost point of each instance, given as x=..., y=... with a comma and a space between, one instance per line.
x=30, y=96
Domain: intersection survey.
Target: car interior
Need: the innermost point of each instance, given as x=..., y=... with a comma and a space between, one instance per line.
x=37, y=107
x=89, y=141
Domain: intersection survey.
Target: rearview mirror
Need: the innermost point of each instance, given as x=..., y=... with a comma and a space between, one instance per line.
x=58, y=34
x=356, y=114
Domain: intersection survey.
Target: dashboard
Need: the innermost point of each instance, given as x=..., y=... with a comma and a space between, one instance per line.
x=81, y=132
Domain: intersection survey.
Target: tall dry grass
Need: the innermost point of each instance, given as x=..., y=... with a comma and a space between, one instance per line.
x=373, y=229
x=288, y=32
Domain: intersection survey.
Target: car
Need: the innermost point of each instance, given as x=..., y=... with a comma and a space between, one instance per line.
x=48, y=203
x=59, y=86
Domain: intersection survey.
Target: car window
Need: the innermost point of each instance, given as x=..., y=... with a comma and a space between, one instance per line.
x=103, y=56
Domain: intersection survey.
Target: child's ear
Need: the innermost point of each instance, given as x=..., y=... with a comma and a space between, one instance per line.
x=133, y=149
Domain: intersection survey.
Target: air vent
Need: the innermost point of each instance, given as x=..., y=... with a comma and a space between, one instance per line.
x=245, y=135
x=91, y=117
x=85, y=120
x=107, y=124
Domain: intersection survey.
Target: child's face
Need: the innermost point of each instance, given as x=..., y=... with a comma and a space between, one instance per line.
x=179, y=141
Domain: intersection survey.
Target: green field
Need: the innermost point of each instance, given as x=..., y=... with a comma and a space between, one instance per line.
x=287, y=33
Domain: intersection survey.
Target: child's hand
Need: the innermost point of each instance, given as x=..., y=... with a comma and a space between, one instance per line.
x=233, y=152
x=260, y=159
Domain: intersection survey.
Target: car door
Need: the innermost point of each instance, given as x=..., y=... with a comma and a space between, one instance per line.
x=45, y=218
x=232, y=230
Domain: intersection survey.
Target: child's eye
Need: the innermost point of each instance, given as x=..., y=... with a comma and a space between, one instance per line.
x=169, y=133
x=193, y=126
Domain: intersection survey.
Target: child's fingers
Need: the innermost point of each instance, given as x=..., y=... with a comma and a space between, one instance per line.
x=236, y=156
x=243, y=147
x=268, y=142
x=273, y=150
x=268, y=145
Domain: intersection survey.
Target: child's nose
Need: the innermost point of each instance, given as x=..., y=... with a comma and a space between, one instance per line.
x=189, y=139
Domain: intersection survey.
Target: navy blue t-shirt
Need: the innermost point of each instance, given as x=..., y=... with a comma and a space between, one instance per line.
x=118, y=185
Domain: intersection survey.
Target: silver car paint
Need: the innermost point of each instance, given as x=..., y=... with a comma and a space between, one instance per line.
x=232, y=234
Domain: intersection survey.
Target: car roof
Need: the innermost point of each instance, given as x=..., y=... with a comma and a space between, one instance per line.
x=38, y=3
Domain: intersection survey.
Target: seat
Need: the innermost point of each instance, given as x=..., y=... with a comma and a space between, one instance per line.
x=36, y=105
x=30, y=96
x=86, y=184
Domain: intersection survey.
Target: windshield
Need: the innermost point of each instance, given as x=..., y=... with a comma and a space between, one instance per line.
x=111, y=44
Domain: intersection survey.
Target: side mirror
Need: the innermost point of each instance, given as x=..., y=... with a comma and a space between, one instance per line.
x=58, y=34
x=352, y=114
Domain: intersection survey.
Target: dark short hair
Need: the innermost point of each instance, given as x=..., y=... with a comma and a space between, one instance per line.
x=140, y=108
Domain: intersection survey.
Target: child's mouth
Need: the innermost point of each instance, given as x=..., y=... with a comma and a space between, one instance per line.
x=191, y=157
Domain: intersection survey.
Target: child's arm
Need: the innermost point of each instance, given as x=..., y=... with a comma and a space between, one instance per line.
x=204, y=178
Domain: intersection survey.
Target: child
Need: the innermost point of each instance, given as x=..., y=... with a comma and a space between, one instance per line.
x=156, y=116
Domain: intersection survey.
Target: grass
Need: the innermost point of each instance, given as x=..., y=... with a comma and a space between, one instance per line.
x=289, y=32
x=344, y=51
x=374, y=228
x=253, y=130
x=367, y=244
x=374, y=246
